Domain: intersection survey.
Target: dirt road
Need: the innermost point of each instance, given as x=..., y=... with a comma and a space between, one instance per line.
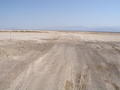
x=60, y=64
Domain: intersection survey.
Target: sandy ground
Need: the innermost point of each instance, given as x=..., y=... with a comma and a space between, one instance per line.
x=59, y=61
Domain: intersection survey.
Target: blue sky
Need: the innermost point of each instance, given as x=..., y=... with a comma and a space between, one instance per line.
x=41, y=14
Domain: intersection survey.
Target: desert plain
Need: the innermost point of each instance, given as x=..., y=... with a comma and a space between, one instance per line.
x=59, y=60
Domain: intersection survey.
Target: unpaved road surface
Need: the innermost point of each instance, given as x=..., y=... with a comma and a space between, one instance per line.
x=59, y=61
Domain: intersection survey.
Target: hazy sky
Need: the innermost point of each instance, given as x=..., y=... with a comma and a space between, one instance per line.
x=35, y=14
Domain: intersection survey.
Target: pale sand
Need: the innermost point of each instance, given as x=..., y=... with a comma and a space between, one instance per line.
x=54, y=60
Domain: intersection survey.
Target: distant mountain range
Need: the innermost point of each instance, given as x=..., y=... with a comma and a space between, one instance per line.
x=75, y=28
x=82, y=28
